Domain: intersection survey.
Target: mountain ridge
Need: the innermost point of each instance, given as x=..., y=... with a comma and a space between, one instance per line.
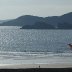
x=56, y=21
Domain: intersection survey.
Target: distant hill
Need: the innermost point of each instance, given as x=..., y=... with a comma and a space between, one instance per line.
x=38, y=25
x=66, y=18
x=64, y=26
x=23, y=20
x=55, y=22
x=2, y=21
x=65, y=21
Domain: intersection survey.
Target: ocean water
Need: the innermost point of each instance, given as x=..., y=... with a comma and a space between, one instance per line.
x=22, y=46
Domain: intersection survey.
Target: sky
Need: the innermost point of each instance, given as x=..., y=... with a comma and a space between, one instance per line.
x=10, y=9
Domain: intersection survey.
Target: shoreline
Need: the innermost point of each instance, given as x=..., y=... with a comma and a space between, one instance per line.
x=29, y=66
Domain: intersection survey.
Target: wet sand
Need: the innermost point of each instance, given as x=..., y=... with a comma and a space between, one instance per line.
x=26, y=66
x=36, y=68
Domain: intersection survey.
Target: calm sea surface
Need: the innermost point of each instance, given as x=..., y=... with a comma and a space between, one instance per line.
x=17, y=44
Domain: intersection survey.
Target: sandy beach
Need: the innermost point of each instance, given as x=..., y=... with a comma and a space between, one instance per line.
x=25, y=66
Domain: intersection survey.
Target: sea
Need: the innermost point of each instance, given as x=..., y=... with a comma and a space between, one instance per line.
x=34, y=46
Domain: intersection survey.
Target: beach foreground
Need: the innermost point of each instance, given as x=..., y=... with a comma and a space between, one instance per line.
x=36, y=68
x=26, y=66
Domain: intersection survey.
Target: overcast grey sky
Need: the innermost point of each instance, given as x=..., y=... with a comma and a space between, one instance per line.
x=14, y=8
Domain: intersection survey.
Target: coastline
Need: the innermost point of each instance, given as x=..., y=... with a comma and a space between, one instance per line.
x=28, y=66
